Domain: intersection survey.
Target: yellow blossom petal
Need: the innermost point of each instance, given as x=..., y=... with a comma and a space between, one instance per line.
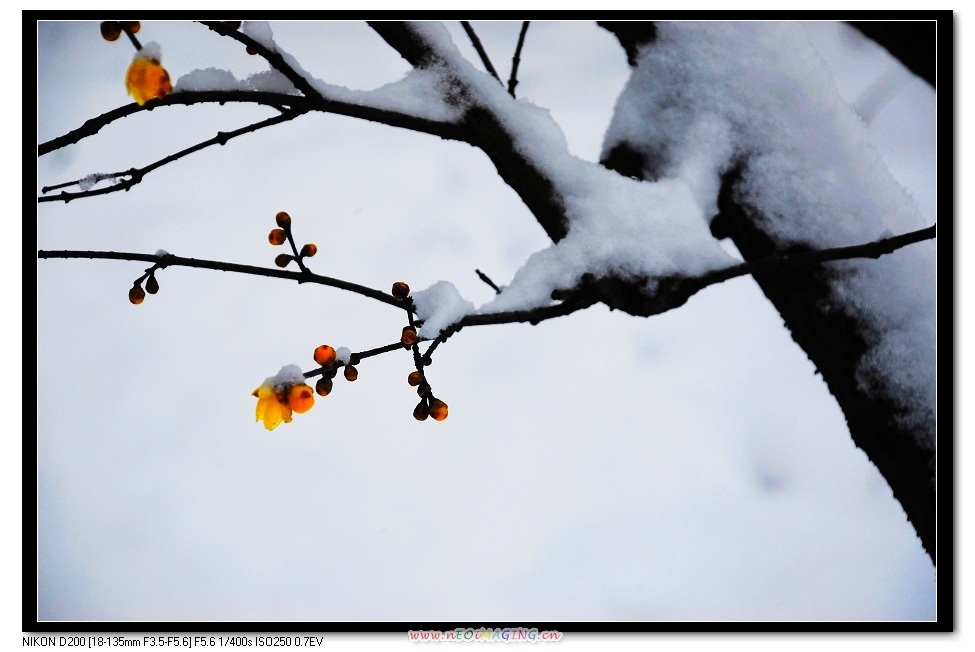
x=147, y=80
x=270, y=408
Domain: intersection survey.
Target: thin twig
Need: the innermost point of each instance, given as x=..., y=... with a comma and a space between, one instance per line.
x=355, y=358
x=513, y=80
x=874, y=249
x=484, y=277
x=136, y=174
x=273, y=57
x=169, y=260
x=476, y=42
x=128, y=32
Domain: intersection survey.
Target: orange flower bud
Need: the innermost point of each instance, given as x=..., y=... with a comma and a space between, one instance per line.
x=309, y=250
x=414, y=379
x=283, y=219
x=152, y=285
x=438, y=410
x=137, y=295
x=420, y=412
x=325, y=355
x=250, y=50
x=401, y=290
x=323, y=386
x=282, y=260
x=409, y=336
x=111, y=30
x=351, y=373
x=301, y=398
x=277, y=237
x=134, y=26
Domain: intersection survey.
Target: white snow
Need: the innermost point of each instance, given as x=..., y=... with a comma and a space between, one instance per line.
x=150, y=51
x=616, y=226
x=289, y=375
x=706, y=93
x=439, y=306
x=162, y=252
x=88, y=182
x=419, y=93
x=215, y=79
x=343, y=355
x=260, y=31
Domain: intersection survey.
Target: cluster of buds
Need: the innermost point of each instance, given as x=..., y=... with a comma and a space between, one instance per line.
x=112, y=29
x=282, y=234
x=137, y=295
x=327, y=358
x=429, y=405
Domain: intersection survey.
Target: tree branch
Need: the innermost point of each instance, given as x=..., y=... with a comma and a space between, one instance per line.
x=137, y=174
x=515, y=60
x=445, y=130
x=169, y=260
x=488, y=128
x=273, y=57
x=874, y=249
x=476, y=42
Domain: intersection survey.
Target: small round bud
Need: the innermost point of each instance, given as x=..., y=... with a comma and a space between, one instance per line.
x=409, y=336
x=250, y=50
x=111, y=30
x=300, y=398
x=277, y=237
x=401, y=290
x=325, y=355
x=308, y=250
x=421, y=412
x=134, y=26
x=282, y=260
x=152, y=285
x=232, y=24
x=351, y=373
x=421, y=391
x=137, y=295
x=414, y=379
x=283, y=219
x=438, y=410
x=323, y=386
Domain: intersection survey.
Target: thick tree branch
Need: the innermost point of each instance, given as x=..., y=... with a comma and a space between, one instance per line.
x=835, y=337
x=486, y=127
x=913, y=43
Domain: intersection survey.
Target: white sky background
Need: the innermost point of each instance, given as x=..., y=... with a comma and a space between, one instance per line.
x=689, y=466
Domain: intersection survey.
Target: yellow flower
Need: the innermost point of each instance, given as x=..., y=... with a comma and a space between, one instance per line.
x=147, y=80
x=282, y=394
